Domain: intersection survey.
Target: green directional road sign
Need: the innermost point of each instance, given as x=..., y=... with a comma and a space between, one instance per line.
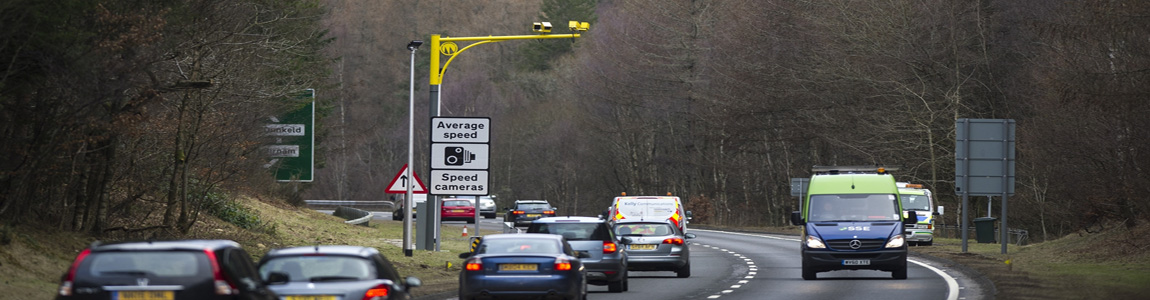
x=292, y=151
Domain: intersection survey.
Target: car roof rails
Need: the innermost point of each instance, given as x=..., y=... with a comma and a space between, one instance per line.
x=833, y=170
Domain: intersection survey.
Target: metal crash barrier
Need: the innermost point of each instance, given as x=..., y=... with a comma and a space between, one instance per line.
x=354, y=216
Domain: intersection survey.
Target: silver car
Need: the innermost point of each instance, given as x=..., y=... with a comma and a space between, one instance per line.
x=607, y=264
x=655, y=246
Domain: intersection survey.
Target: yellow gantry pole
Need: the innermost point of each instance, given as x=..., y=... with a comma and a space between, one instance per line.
x=429, y=222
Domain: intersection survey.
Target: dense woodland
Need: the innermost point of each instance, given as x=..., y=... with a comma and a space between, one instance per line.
x=143, y=115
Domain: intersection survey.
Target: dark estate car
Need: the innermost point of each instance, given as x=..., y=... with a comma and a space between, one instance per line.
x=525, y=265
x=167, y=270
x=607, y=264
x=335, y=272
x=526, y=211
x=656, y=246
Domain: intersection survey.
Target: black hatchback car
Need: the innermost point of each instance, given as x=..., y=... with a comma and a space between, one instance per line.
x=526, y=211
x=333, y=272
x=164, y=270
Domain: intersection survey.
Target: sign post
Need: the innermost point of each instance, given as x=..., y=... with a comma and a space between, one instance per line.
x=293, y=149
x=460, y=158
x=984, y=165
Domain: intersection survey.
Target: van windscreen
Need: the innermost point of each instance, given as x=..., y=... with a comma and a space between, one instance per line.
x=853, y=207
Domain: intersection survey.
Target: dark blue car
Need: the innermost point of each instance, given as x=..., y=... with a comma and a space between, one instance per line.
x=528, y=265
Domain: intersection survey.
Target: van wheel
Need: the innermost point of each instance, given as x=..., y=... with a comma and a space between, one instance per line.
x=685, y=271
x=898, y=274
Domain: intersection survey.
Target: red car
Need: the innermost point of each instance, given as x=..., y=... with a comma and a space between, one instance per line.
x=455, y=209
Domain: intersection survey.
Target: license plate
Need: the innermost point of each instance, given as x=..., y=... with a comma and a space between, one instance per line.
x=532, y=215
x=145, y=295
x=456, y=210
x=311, y=297
x=856, y=262
x=643, y=247
x=518, y=267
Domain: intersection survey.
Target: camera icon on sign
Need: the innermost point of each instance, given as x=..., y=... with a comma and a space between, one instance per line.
x=457, y=156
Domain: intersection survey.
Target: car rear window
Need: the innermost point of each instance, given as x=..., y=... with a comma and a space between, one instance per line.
x=644, y=229
x=573, y=231
x=151, y=264
x=518, y=246
x=320, y=268
x=457, y=203
x=534, y=206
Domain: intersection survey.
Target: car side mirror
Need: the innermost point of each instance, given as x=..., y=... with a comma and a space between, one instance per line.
x=554, y=208
x=797, y=218
x=909, y=217
x=277, y=278
x=413, y=282
x=689, y=235
x=465, y=255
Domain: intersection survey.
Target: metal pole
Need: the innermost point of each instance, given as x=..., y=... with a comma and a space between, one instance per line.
x=1005, y=180
x=433, y=212
x=966, y=182
x=408, y=202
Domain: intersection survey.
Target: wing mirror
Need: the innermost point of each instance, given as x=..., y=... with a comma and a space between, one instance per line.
x=797, y=218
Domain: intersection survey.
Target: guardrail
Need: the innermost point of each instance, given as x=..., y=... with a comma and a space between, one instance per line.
x=384, y=203
x=354, y=216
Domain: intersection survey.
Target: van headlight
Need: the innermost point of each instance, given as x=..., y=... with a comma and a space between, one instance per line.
x=897, y=241
x=815, y=243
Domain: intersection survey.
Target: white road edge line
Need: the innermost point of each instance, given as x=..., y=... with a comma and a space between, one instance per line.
x=951, y=283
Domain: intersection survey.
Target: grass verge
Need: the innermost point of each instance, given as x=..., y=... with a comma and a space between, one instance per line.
x=34, y=258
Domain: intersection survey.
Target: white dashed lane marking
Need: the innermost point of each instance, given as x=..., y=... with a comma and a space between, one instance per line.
x=750, y=274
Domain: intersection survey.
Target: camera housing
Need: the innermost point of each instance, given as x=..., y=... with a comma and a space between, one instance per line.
x=457, y=156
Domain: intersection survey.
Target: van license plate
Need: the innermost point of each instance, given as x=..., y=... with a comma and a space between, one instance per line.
x=856, y=262
x=145, y=295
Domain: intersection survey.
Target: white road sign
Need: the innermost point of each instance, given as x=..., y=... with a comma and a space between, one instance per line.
x=459, y=182
x=459, y=156
x=460, y=130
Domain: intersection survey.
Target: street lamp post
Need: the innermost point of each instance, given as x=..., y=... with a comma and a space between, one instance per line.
x=407, y=200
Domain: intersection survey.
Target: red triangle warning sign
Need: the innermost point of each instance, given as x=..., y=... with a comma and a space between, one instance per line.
x=399, y=184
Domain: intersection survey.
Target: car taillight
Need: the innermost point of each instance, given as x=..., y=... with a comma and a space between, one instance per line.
x=609, y=247
x=378, y=292
x=474, y=264
x=66, y=284
x=223, y=287
x=562, y=264
x=673, y=241
x=549, y=212
x=518, y=212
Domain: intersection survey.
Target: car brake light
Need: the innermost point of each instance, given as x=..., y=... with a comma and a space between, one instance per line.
x=609, y=247
x=223, y=287
x=474, y=264
x=378, y=292
x=549, y=212
x=562, y=264
x=518, y=212
x=66, y=284
x=673, y=241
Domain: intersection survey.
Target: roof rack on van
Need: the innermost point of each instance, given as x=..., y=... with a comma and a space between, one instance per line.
x=831, y=170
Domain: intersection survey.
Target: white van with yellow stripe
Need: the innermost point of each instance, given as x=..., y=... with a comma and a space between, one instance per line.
x=649, y=208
